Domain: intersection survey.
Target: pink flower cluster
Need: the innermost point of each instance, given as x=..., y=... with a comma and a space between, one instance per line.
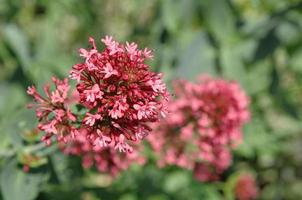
x=205, y=123
x=118, y=97
x=119, y=93
x=106, y=160
x=53, y=112
x=246, y=187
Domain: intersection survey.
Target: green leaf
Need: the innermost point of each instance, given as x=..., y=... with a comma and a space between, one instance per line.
x=196, y=58
x=19, y=43
x=60, y=166
x=170, y=17
x=128, y=197
x=176, y=181
x=158, y=197
x=282, y=124
x=17, y=124
x=9, y=64
x=232, y=63
x=296, y=61
x=219, y=18
x=255, y=139
x=12, y=97
x=177, y=15
x=288, y=33
x=258, y=78
x=18, y=185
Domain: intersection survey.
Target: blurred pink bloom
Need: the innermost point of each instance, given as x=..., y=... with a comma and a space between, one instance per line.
x=246, y=187
x=205, y=123
x=103, y=157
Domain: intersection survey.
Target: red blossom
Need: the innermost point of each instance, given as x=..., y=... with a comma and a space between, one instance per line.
x=104, y=157
x=53, y=112
x=117, y=86
x=246, y=187
x=205, y=123
x=116, y=98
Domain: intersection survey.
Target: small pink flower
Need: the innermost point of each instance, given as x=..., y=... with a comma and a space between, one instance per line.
x=141, y=133
x=109, y=71
x=102, y=140
x=90, y=119
x=88, y=56
x=76, y=71
x=60, y=94
x=112, y=45
x=108, y=41
x=50, y=127
x=70, y=116
x=122, y=146
x=145, y=111
x=148, y=53
x=56, y=97
x=119, y=108
x=31, y=90
x=74, y=132
x=93, y=93
x=132, y=50
x=157, y=85
x=59, y=114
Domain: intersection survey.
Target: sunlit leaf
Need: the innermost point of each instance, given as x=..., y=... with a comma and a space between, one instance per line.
x=176, y=181
x=18, y=41
x=196, y=58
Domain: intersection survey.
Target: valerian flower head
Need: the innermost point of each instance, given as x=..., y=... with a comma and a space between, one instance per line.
x=119, y=91
x=117, y=98
x=206, y=123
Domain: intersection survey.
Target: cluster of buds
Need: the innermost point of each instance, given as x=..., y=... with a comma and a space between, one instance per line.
x=205, y=125
x=53, y=111
x=118, y=97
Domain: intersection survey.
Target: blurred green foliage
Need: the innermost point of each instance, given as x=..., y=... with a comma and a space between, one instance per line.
x=256, y=42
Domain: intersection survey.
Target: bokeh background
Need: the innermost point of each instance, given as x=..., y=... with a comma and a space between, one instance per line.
x=255, y=42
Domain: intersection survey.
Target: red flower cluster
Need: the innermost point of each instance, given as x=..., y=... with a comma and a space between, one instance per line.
x=119, y=92
x=206, y=122
x=246, y=187
x=106, y=160
x=53, y=112
x=118, y=96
